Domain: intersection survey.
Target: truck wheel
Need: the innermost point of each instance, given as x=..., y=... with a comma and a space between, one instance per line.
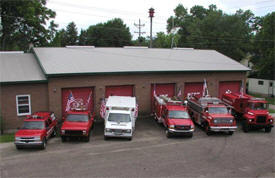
x=245, y=126
x=168, y=134
x=207, y=129
x=54, y=132
x=87, y=139
x=105, y=137
x=63, y=138
x=44, y=143
x=18, y=147
x=130, y=138
x=230, y=133
x=267, y=129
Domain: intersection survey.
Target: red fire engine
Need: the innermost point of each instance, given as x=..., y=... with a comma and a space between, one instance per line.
x=211, y=113
x=253, y=111
x=172, y=113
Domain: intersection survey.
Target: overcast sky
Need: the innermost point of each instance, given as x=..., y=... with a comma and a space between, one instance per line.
x=90, y=12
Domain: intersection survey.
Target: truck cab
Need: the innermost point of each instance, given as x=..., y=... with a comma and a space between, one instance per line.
x=120, y=116
x=77, y=123
x=36, y=130
x=172, y=113
x=212, y=114
x=253, y=111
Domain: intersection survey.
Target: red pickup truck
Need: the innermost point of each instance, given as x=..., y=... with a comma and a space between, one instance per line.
x=77, y=123
x=172, y=113
x=253, y=111
x=36, y=130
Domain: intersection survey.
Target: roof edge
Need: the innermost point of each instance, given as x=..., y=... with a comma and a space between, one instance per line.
x=24, y=82
x=39, y=62
x=136, y=72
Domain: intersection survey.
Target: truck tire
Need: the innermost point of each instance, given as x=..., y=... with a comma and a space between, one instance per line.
x=267, y=129
x=105, y=137
x=130, y=138
x=230, y=133
x=245, y=126
x=44, y=143
x=63, y=138
x=19, y=147
x=54, y=132
x=168, y=134
x=207, y=129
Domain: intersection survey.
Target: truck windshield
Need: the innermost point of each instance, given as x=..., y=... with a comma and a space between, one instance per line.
x=217, y=110
x=77, y=118
x=37, y=125
x=258, y=106
x=117, y=117
x=178, y=115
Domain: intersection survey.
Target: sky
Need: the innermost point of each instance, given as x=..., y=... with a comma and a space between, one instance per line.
x=90, y=12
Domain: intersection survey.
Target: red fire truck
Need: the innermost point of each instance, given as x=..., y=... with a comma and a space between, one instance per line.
x=211, y=113
x=253, y=111
x=77, y=123
x=172, y=113
x=78, y=119
x=36, y=130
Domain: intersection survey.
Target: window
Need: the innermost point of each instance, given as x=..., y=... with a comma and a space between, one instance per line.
x=260, y=82
x=270, y=84
x=23, y=105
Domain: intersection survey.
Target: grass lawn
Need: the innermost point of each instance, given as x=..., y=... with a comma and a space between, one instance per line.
x=270, y=100
x=271, y=110
x=6, y=138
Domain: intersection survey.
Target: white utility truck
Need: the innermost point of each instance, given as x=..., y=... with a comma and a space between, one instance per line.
x=120, y=114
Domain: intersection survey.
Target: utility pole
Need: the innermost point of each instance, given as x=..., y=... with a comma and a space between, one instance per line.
x=151, y=15
x=139, y=26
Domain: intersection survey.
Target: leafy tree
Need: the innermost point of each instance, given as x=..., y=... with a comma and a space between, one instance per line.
x=113, y=33
x=59, y=39
x=212, y=29
x=264, y=50
x=141, y=41
x=83, y=36
x=165, y=41
x=24, y=22
x=71, y=34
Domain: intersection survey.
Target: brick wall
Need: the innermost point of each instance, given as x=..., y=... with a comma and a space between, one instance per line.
x=142, y=85
x=39, y=102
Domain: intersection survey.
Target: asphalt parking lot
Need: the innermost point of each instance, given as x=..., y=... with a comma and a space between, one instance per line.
x=149, y=154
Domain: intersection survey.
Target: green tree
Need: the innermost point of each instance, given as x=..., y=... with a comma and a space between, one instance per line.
x=83, y=37
x=71, y=34
x=213, y=29
x=24, y=22
x=264, y=50
x=59, y=39
x=165, y=41
x=141, y=41
x=113, y=33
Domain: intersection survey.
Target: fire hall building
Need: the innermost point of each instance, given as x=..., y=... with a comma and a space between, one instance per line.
x=43, y=79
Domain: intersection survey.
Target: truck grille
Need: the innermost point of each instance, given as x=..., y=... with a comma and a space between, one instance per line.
x=27, y=139
x=261, y=119
x=182, y=127
x=223, y=121
x=73, y=132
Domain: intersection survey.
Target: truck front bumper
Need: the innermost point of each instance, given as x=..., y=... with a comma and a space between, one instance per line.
x=174, y=131
x=28, y=144
x=113, y=134
x=223, y=128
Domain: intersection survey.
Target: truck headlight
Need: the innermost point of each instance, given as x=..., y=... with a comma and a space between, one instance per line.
x=171, y=126
x=250, y=120
x=84, y=132
x=128, y=131
x=17, y=138
x=231, y=120
x=192, y=127
x=108, y=130
x=37, y=138
x=271, y=120
x=215, y=121
x=62, y=131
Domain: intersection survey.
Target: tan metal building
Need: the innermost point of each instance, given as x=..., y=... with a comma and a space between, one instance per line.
x=43, y=79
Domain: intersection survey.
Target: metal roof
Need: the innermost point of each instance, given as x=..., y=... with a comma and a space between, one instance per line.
x=19, y=67
x=60, y=61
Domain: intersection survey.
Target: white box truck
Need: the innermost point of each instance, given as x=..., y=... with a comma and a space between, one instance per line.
x=120, y=114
